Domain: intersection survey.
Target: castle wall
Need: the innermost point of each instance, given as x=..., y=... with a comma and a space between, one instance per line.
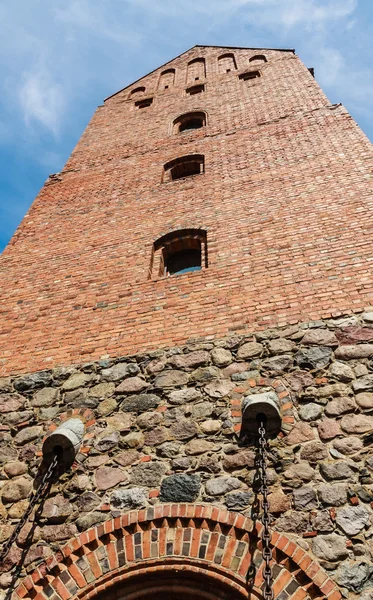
x=164, y=427
x=285, y=199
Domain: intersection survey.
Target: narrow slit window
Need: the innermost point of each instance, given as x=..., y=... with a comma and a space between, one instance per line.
x=144, y=103
x=183, y=251
x=189, y=121
x=195, y=89
x=249, y=75
x=185, y=166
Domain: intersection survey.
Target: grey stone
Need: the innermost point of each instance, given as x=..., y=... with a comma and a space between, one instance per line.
x=244, y=375
x=14, y=418
x=120, y=371
x=87, y=501
x=367, y=316
x=107, y=477
x=94, y=518
x=339, y=406
x=107, y=440
x=16, y=489
x=313, y=452
x=11, y=402
x=102, y=390
x=304, y=498
x=106, y=407
x=300, y=471
x=28, y=434
x=219, y=389
x=363, y=384
x=132, y=385
x=333, y=494
x=222, y=485
x=120, y=421
x=336, y=470
x=15, y=468
x=45, y=397
x=221, y=357
x=341, y=371
x=135, y=497
x=149, y=420
x=334, y=389
x=203, y=409
x=148, y=474
x=76, y=380
x=360, y=370
x=140, y=403
x=199, y=446
x=352, y=519
x=319, y=337
x=280, y=346
x=249, y=350
x=368, y=595
x=330, y=547
x=190, y=360
x=205, y=374
x=184, y=396
x=310, y=411
x=321, y=521
x=156, y=436
x=293, y=522
x=211, y=426
x=169, y=449
x=183, y=429
x=348, y=445
x=134, y=439
x=278, y=364
x=180, y=488
x=355, y=576
x=357, y=423
x=316, y=357
x=238, y=500
x=171, y=378
x=31, y=382
x=365, y=400
x=183, y=463
x=350, y=352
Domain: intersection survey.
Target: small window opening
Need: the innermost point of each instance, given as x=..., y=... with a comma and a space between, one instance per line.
x=195, y=89
x=144, y=103
x=258, y=58
x=179, y=252
x=249, y=75
x=166, y=87
x=196, y=78
x=189, y=121
x=185, y=166
x=228, y=70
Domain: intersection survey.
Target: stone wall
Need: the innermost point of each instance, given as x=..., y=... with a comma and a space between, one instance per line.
x=164, y=427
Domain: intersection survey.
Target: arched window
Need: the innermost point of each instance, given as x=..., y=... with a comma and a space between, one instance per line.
x=227, y=63
x=182, y=251
x=184, y=166
x=258, y=58
x=192, y=120
x=137, y=91
x=166, y=79
x=196, y=69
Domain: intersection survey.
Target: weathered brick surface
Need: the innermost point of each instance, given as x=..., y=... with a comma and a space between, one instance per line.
x=285, y=199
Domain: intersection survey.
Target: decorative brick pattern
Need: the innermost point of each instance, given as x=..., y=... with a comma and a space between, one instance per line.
x=197, y=538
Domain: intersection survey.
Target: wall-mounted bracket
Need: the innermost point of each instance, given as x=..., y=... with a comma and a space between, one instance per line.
x=256, y=405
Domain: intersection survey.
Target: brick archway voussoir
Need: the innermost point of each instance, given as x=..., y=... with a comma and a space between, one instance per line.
x=209, y=540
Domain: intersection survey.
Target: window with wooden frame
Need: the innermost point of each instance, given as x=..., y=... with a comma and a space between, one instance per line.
x=184, y=166
x=189, y=121
x=178, y=252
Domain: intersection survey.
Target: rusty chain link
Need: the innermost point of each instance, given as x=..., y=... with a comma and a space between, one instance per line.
x=266, y=534
x=39, y=493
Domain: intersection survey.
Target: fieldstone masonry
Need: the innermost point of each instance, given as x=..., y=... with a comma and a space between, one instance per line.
x=162, y=428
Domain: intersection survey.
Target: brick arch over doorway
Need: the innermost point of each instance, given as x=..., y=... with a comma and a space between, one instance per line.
x=197, y=541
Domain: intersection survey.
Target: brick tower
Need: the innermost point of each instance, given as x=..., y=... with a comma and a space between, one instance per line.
x=207, y=246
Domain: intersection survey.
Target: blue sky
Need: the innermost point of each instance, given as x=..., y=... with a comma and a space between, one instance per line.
x=60, y=58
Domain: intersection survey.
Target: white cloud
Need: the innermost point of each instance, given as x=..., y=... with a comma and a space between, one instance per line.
x=42, y=99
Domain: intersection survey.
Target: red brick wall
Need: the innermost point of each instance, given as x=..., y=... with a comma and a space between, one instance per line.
x=285, y=199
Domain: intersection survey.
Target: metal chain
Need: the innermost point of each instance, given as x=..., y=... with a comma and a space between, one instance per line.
x=266, y=534
x=46, y=479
